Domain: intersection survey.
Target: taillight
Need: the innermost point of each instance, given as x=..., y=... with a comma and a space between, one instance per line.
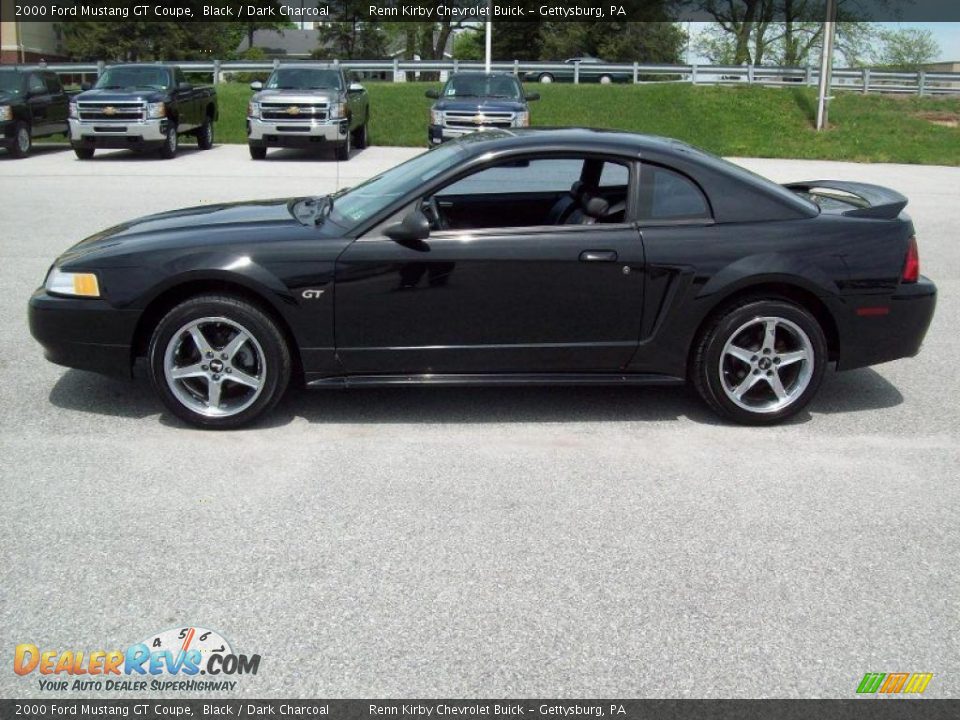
x=911, y=266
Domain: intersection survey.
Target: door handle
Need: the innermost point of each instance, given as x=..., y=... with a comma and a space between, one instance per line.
x=598, y=256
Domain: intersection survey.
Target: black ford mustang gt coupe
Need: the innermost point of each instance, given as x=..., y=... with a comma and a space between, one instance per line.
x=558, y=257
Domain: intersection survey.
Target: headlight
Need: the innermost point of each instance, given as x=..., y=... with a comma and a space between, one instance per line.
x=63, y=283
x=338, y=110
x=253, y=110
x=73, y=111
x=6, y=113
x=436, y=117
x=522, y=119
x=156, y=110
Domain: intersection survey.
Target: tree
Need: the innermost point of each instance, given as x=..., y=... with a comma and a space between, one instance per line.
x=352, y=36
x=133, y=41
x=906, y=48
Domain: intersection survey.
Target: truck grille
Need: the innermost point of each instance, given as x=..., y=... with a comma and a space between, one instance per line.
x=473, y=120
x=121, y=112
x=293, y=111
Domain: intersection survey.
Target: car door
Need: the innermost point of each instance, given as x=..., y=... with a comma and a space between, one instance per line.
x=58, y=104
x=536, y=298
x=187, y=102
x=38, y=99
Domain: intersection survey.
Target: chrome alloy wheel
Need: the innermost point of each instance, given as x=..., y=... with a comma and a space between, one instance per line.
x=214, y=366
x=766, y=364
x=23, y=139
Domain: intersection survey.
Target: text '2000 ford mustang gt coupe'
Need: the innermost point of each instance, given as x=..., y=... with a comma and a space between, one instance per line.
x=506, y=257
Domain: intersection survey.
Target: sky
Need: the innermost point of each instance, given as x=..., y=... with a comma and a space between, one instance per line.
x=947, y=35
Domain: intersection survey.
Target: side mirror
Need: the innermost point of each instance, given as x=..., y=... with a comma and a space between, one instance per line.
x=413, y=228
x=256, y=86
x=355, y=87
x=533, y=96
x=433, y=94
x=85, y=86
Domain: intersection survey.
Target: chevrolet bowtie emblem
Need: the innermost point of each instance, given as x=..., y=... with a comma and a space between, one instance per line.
x=109, y=110
x=293, y=110
x=479, y=119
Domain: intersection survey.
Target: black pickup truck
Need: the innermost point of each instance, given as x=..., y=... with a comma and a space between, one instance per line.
x=32, y=104
x=141, y=107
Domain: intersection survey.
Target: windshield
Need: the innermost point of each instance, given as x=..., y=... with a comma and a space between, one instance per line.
x=367, y=199
x=304, y=79
x=11, y=82
x=498, y=86
x=135, y=77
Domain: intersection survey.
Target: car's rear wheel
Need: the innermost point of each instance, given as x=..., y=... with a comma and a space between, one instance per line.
x=83, y=153
x=606, y=80
x=218, y=361
x=22, y=141
x=760, y=361
x=205, y=135
x=168, y=150
x=546, y=78
x=258, y=152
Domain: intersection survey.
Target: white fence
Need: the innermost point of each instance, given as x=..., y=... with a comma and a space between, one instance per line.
x=863, y=80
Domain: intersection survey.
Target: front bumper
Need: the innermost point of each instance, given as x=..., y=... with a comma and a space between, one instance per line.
x=8, y=132
x=119, y=135
x=884, y=328
x=437, y=134
x=300, y=133
x=83, y=333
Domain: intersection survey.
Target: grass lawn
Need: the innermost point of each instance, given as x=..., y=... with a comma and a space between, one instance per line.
x=744, y=121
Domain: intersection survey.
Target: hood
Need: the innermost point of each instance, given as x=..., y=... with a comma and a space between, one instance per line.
x=7, y=98
x=224, y=222
x=480, y=104
x=128, y=95
x=297, y=96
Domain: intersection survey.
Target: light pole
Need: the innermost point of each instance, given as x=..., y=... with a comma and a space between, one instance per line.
x=826, y=64
x=489, y=38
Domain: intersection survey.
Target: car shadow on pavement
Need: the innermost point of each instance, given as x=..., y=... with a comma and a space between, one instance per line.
x=855, y=391
x=125, y=155
x=320, y=153
x=37, y=150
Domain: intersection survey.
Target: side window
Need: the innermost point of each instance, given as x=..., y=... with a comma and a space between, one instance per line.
x=36, y=84
x=614, y=175
x=516, y=178
x=53, y=83
x=669, y=195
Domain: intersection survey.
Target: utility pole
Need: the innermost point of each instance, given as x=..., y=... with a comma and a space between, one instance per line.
x=826, y=64
x=489, y=39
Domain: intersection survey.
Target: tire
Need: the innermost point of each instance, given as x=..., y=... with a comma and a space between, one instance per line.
x=169, y=149
x=751, y=377
x=83, y=153
x=22, y=141
x=606, y=80
x=343, y=148
x=258, y=152
x=362, y=139
x=205, y=135
x=545, y=78
x=248, y=369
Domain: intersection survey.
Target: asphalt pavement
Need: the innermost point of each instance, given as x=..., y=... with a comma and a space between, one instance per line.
x=600, y=542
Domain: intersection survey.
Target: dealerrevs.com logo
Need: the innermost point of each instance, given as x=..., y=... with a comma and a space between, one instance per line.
x=172, y=660
x=894, y=683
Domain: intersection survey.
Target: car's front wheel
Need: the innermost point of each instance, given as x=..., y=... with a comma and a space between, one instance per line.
x=546, y=78
x=760, y=361
x=257, y=152
x=218, y=361
x=343, y=148
x=22, y=141
x=83, y=153
x=168, y=150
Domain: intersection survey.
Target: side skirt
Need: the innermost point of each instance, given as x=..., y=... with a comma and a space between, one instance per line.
x=343, y=382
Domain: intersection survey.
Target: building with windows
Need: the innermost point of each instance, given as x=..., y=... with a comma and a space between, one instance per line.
x=28, y=42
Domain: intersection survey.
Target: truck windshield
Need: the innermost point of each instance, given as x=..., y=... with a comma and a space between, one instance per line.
x=11, y=82
x=498, y=86
x=304, y=79
x=135, y=77
x=369, y=198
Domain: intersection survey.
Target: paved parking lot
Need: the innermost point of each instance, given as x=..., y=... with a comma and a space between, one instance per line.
x=448, y=542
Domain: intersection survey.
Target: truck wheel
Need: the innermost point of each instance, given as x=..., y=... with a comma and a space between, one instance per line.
x=205, y=135
x=343, y=149
x=362, y=139
x=83, y=153
x=258, y=152
x=22, y=141
x=169, y=149
x=760, y=361
x=217, y=361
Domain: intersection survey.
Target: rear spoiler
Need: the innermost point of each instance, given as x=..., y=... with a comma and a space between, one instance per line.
x=869, y=201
